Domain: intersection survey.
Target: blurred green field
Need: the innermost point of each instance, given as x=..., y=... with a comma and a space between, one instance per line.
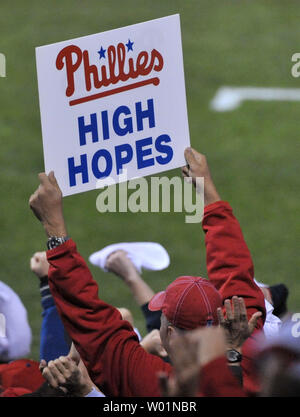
x=251, y=150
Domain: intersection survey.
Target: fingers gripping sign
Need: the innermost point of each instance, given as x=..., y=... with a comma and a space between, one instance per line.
x=46, y=203
x=197, y=167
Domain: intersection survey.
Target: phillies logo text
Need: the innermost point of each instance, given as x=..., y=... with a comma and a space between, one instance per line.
x=117, y=68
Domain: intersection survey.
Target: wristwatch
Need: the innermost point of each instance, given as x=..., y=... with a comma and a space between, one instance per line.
x=233, y=356
x=55, y=241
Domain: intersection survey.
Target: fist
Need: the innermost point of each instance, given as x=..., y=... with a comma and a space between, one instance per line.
x=119, y=263
x=39, y=264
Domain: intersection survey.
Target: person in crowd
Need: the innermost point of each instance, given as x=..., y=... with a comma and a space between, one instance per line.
x=18, y=375
x=60, y=363
x=276, y=295
x=191, y=351
x=25, y=377
x=107, y=344
x=16, y=336
x=119, y=263
x=54, y=341
x=56, y=346
x=278, y=362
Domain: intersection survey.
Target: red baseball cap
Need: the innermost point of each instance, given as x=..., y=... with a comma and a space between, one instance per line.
x=188, y=302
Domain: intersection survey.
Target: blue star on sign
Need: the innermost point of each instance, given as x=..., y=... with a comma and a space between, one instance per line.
x=129, y=45
x=101, y=52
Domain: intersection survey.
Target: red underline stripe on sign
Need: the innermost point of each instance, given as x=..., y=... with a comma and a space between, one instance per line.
x=154, y=81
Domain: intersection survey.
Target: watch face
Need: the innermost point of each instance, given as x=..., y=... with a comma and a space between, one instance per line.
x=53, y=242
x=233, y=356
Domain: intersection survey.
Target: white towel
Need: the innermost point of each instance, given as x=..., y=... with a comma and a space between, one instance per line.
x=147, y=255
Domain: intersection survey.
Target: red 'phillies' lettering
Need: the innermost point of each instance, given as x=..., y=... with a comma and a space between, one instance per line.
x=72, y=57
x=70, y=66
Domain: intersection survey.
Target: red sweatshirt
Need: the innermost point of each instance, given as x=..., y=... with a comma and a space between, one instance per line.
x=107, y=344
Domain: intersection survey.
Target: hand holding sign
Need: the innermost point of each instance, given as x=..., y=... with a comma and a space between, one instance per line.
x=197, y=167
x=46, y=203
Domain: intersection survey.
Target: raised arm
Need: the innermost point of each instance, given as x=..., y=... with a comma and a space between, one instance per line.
x=229, y=262
x=53, y=337
x=228, y=259
x=107, y=344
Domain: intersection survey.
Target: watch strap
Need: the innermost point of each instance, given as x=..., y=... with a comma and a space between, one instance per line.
x=55, y=241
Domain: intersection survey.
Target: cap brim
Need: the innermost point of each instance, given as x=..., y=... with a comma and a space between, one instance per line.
x=157, y=301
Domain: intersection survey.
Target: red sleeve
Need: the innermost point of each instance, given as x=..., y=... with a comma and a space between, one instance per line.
x=229, y=264
x=218, y=381
x=107, y=344
x=230, y=269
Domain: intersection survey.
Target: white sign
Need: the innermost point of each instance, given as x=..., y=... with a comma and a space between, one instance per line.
x=113, y=102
